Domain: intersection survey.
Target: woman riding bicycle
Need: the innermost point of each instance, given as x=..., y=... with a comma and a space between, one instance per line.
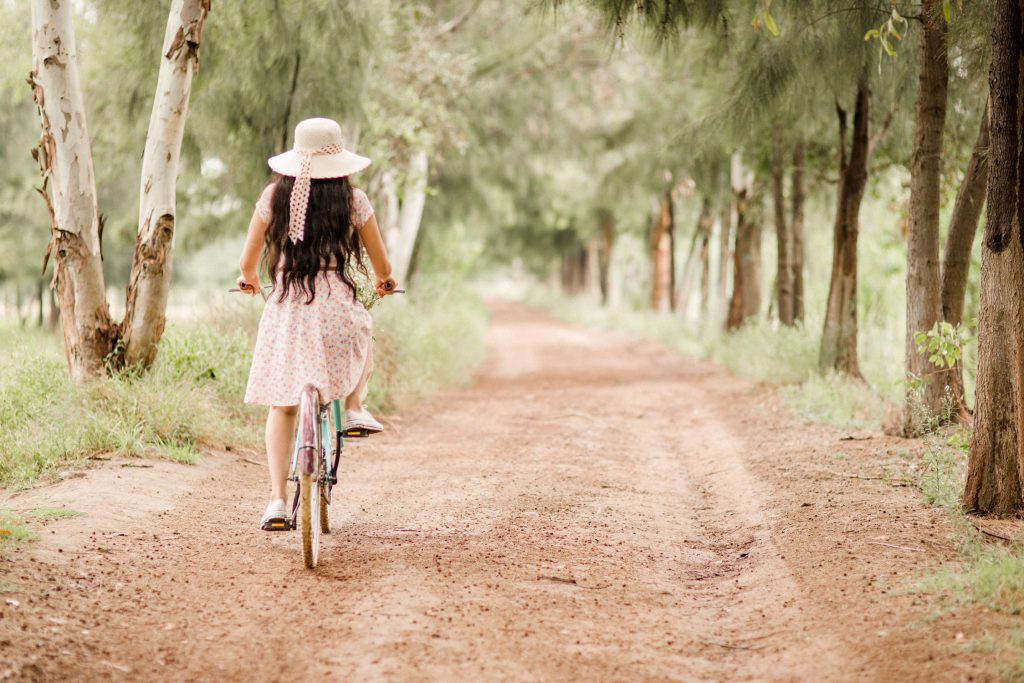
x=310, y=226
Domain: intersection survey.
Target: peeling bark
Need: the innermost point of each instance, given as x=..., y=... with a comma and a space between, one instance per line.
x=64, y=156
x=150, y=278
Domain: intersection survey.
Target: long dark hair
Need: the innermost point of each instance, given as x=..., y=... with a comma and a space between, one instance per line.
x=329, y=238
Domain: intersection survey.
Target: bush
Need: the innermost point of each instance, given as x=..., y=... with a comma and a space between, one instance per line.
x=768, y=353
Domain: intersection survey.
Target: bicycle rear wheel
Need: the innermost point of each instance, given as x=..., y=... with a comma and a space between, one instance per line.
x=310, y=472
x=308, y=522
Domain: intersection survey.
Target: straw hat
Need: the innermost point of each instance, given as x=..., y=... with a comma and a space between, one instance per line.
x=319, y=152
x=320, y=141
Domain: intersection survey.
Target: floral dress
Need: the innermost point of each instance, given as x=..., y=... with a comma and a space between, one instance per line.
x=324, y=343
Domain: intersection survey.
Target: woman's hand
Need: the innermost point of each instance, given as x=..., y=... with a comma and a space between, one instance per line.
x=250, y=286
x=386, y=286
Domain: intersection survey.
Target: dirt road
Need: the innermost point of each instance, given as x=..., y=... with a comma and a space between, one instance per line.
x=592, y=508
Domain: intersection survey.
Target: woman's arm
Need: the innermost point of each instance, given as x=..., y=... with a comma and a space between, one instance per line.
x=378, y=253
x=249, y=262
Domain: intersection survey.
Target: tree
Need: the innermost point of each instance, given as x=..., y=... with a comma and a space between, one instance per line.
x=745, y=301
x=65, y=157
x=923, y=299
x=994, y=468
x=839, y=337
x=785, y=295
x=963, y=226
x=150, y=278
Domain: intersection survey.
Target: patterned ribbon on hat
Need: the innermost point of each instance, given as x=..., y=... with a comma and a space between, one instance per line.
x=299, y=203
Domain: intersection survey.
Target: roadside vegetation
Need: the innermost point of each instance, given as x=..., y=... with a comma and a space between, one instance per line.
x=192, y=396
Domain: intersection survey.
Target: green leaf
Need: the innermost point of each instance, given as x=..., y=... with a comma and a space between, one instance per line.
x=947, y=11
x=770, y=24
x=873, y=33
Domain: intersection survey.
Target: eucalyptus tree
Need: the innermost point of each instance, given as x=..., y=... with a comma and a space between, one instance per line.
x=65, y=160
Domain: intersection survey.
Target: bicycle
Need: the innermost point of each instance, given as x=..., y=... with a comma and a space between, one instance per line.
x=315, y=474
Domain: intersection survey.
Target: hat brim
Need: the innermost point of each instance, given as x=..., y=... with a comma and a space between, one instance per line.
x=322, y=166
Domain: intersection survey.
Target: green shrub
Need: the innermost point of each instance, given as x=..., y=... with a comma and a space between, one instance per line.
x=193, y=393
x=774, y=354
x=428, y=338
x=836, y=400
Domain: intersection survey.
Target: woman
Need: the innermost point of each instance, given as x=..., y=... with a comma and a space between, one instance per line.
x=310, y=226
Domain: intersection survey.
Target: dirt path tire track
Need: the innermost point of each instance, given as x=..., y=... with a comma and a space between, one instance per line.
x=592, y=508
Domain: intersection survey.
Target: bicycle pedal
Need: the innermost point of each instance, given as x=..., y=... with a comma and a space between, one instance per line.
x=278, y=525
x=357, y=433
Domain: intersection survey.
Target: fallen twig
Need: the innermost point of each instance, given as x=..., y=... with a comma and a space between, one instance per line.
x=993, y=534
x=898, y=547
x=250, y=461
x=571, y=582
x=851, y=475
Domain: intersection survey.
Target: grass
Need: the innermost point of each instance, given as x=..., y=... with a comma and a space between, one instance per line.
x=13, y=530
x=48, y=422
x=192, y=396
x=783, y=357
x=986, y=574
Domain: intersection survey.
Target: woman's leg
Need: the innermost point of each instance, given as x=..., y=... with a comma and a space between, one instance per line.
x=280, y=442
x=354, y=401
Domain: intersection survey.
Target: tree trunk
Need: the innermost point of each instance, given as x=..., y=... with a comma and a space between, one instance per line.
x=150, y=278
x=673, y=301
x=65, y=158
x=746, y=289
x=784, y=242
x=728, y=220
x=410, y=215
x=690, y=265
x=839, y=337
x=994, y=463
x=660, y=248
x=605, y=253
x=706, y=226
x=796, y=228
x=924, y=279
x=963, y=225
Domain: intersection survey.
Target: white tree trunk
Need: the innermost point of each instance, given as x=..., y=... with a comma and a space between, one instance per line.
x=65, y=160
x=410, y=215
x=146, y=299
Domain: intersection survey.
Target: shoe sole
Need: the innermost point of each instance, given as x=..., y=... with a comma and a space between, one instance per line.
x=360, y=431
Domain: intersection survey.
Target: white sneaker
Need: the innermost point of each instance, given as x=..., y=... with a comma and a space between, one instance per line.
x=361, y=419
x=276, y=517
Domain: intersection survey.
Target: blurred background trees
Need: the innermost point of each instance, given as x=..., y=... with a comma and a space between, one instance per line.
x=812, y=167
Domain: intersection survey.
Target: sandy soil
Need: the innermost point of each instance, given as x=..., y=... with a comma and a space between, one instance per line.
x=592, y=508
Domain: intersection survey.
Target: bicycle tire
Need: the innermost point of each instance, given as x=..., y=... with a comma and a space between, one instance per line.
x=325, y=515
x=308, y=522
